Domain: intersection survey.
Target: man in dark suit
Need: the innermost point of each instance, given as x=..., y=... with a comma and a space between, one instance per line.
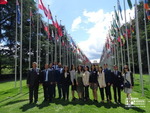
x=45, y=81
x=33, y=80
x=58, y=77
x=117, y=81
x=55, y=66
x=52, y=82
x=108, y=80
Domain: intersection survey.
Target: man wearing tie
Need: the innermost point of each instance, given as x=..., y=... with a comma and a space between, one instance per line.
x=117, y=81
x=52, y=82
x=45, y=81
x=33, y=80
x=108, y=80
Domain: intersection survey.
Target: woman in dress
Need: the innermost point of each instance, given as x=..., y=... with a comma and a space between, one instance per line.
x=101, y=82
x=65, y=81
x=85, y=78
x=79, y=75
x=94, y=82
x=128, y=79
x=73, y=81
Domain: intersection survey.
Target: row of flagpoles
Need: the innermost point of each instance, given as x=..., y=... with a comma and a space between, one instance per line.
x=117, y=36
x=56, y=34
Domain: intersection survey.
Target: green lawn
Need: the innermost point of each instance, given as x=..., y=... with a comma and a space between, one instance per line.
x=11, y=101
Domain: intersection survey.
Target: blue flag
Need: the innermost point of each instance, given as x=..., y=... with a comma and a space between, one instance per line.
x=119, y=8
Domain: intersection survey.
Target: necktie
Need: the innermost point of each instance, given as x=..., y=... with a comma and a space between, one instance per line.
x=46, y=76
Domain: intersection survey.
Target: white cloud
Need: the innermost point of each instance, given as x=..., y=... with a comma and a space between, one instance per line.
x=100, y=21
x=93, y=46
x=75, y=24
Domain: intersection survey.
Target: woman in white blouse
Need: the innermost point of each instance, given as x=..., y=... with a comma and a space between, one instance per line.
x=73, y=81
x=85, y=79
x=101, y=82
x=128, y=78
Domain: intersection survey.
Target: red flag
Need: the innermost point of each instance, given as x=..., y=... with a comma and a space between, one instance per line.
x=146, y=6
x=46, y=29
x=56, y=24
x=119, y=39
x=148, y=14
x=42, y=7
x=3, y=1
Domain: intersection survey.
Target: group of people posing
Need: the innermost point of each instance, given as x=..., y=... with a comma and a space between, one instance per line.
x=81, y=79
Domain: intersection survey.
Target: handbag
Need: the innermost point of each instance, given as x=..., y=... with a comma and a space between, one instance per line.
x=127, y=83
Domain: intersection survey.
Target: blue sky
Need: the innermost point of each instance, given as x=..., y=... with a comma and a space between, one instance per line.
x=87, y=21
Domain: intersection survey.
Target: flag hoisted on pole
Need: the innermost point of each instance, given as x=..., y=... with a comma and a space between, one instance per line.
x=21, y=46
x=128, y=54
x=139, y=48
x=119, y=8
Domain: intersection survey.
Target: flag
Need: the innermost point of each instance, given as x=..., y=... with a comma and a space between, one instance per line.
x=49, y=16
x=120, y=10
x=148, y=14
x=32, y=22
x=116, y=15
x=146, y=6
x=115, y=24
x=46, y=29
x=130, y=4
x=42, y=7
x=56, y=24
x=3, y=1
x=18, y=12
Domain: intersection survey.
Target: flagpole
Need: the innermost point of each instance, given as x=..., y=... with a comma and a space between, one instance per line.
x=67, y=51
x=40, y=45
x=55, y=59
x=21, y=47
x=115, y=54
x=30, y=42
x=147, y=47
x=118, y=58
x=48, y=44
x=60, y=46
x=132, y=46
x=139, y=49
x=71, y=56
x=16, y=48
x=51, y=51
x=121, y=52
x=127, y=36
x=37, y=38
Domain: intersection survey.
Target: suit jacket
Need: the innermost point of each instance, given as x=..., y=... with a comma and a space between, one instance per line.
x=52, y=75
x=58, y=74
x=43, y=76
x=117, y=78
x=34, y=77
x=108, y=77
x=65, y=80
